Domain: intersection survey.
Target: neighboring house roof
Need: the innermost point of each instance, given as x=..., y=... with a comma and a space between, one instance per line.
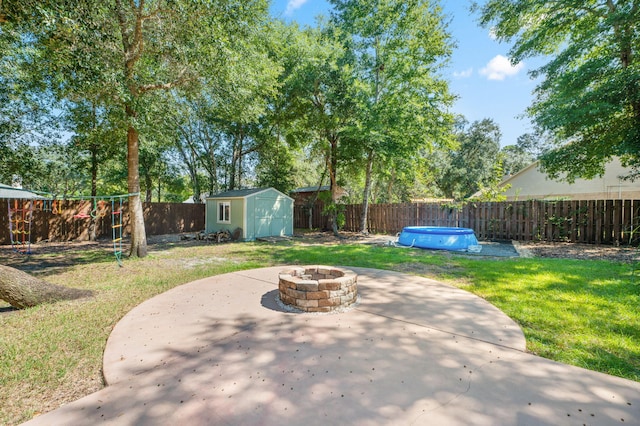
x=243, y=193
x=7, y=191
x=190, y=200
x=311, y=189
x=531, y=183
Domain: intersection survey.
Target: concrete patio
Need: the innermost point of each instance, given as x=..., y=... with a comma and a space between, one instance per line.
x=220, y=351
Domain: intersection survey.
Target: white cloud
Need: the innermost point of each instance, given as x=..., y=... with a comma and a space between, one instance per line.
x=293, y=5
x=500, y=67
x=463, y=74
x=492, y=33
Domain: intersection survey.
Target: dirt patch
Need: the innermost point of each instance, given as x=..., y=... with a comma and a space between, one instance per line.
x=48, y=257
x=581, y=251
x=319, y=237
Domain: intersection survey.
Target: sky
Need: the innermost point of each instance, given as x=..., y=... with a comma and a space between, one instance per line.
x=479, y=74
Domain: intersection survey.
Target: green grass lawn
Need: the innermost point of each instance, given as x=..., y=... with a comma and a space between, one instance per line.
x=581, y=312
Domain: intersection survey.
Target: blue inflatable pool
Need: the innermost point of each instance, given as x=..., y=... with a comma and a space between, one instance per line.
x=438, y=237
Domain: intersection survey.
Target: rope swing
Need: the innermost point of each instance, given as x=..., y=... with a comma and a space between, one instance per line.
x=20, y=217
x=116, y=228
x=20, y=214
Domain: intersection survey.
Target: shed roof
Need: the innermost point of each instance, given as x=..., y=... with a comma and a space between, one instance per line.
x=7, y=191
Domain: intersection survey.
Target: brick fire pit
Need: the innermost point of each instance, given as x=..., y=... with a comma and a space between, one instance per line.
x=318, y=288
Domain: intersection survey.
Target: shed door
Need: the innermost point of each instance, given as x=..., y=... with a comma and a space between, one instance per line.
x=263, y=213
x=269, y=217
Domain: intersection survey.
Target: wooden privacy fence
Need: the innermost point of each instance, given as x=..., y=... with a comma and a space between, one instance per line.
x=305, y=214
x=71, y=220
x=588, y=221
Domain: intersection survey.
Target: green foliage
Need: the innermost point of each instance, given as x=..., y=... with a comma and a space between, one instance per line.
x=535, y=144
x=589, y=95
x=490, y=189
x=275, y=168
x=107, y=63
x=472, y=165
x=514, y=159
x=25, y=103
x=401, y=102
x=217, y=92
x=321, y=92
x=336, y=210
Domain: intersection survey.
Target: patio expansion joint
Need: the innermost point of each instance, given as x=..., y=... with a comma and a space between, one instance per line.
x=451, y=333
x=249, y=277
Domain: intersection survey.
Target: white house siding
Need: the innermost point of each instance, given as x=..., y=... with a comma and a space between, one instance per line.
x=530, y=183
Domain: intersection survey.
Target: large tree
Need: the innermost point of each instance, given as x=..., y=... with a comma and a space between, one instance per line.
x=514, y=159
x=589, y=94
x=218, y=128
x=399, y=48
x=471, y=166
x=321, y=92
x=123, y=52
x=25, y=104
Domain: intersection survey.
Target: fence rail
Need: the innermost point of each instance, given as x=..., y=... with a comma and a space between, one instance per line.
x=71, y=220
x=584, y=221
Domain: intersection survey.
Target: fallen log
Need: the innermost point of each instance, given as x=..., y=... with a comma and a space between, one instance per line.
x=22, y=290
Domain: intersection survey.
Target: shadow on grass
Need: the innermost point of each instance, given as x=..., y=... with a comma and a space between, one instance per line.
x=43, y=264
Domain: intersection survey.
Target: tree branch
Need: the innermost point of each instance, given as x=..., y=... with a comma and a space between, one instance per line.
x=182, y=78
x=155, y=14
x=122, y=21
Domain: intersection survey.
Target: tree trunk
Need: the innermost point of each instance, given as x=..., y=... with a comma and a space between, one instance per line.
x=94, y=185
x=210, y=163
x=136, y=216
x=195, y=182
x=236, y=161
x=190, y=159
x=22, y=290
x=213, y=173
x=148, y=185
x=232, y=171
x=392, y=179
x=365, y=198
x=240, y=154
x=332, y=165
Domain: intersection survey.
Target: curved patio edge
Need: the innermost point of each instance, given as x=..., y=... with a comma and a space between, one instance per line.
x=174, y=321
x=221, y=351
